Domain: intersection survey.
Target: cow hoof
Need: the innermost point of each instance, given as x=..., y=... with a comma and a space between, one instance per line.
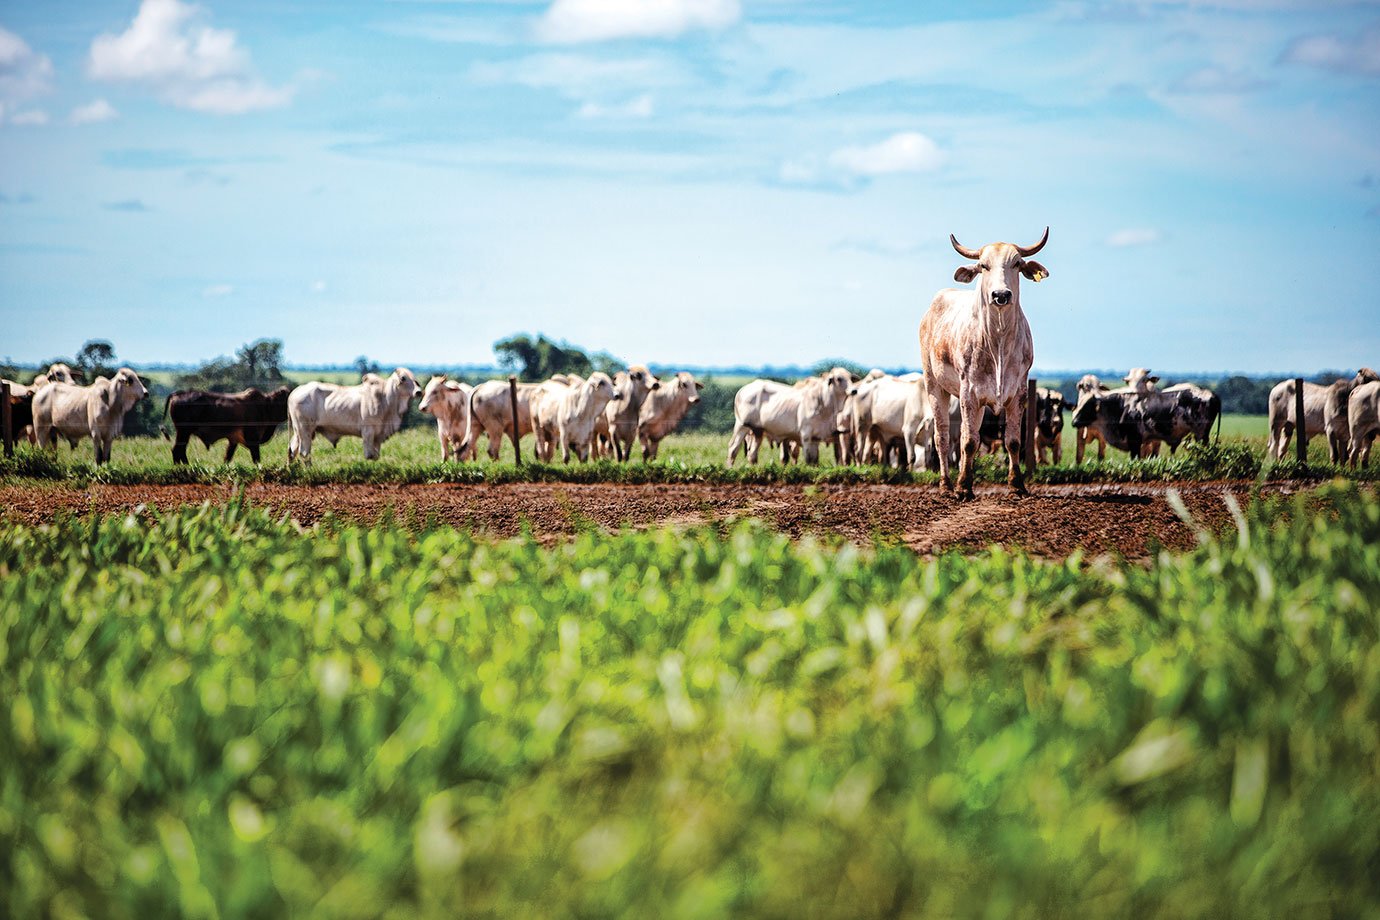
x=1020, y=491
x=964, y=495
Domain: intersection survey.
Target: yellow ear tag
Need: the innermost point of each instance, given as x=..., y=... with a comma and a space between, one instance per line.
x=1038, y=276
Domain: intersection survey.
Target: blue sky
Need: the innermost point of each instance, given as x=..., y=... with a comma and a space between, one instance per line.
x=706, y=182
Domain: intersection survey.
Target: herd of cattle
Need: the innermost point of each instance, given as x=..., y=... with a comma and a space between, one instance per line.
x=877, y=418
x=976, y=352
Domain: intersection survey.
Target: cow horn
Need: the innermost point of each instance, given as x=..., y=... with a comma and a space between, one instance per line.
x=1031, y=250
x=964, y=250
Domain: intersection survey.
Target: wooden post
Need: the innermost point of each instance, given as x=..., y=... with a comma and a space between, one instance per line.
x=1300, y=428
x=512, y=396
x=1028, y=442
x=7, y=419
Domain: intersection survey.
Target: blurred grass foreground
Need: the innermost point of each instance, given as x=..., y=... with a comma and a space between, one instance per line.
x=217, y=713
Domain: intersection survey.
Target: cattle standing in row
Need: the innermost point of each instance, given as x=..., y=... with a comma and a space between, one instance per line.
x=1135, y=420
x=491, y=413
x=1336, y=420
x=564, y=414
x=621, y=416
x=247, y=418
x=805, y=414
x=371, y=410
x=74, y=412
x=975, y=345
x=663, y=409
x=1363, y=420
x=448, y=401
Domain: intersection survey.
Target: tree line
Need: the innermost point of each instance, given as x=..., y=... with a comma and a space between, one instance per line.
x=534, y=358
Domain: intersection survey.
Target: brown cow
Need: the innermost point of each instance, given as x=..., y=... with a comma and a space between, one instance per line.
x=247, y=418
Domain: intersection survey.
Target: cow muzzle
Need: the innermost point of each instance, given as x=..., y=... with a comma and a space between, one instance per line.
x=1001, y=298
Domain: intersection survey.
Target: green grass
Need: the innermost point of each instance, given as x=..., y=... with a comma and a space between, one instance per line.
x=413, y=455
x=217, y=713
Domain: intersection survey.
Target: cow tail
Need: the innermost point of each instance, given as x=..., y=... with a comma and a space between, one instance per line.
x=163, y=429
x=469, y=422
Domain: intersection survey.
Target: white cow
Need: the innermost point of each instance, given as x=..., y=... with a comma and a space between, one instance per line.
x=1363, y=418
x=73, y=412
x=1282, y=420
x=1336, y=420
x=544, y=408
x=880, y=416
x=976, y=345
x=573, y=410
x=806, y=414
x=448, y=401
x=371, y=410
x=491, y=413
x=619, y=423
x=663, y=409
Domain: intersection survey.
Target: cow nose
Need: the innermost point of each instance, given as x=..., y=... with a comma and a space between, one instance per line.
x=1001, y=297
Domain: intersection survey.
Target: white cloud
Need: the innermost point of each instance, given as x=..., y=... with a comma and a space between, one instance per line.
x=1134, y=236
x=639, y=107
x=906, y=152
x=23, y=72
x=219, y=290
x=852, y=167
x=574, y=21
x=318, y=287
x=1215, y=81
x=578, y=75
x=93, y=113
x=186, y=64
x=1356, y=54
x=31, y=117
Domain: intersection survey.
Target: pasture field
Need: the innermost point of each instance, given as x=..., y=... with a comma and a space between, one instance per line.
x=216, y=712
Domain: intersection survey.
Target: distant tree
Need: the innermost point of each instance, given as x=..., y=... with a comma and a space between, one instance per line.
x=258, y=364
x=534, y=359
x=96, y=359
x=829, y=364
x=365, y=366
x=713, y=414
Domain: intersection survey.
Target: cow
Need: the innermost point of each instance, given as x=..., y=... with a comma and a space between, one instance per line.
x=72, y=412
x=570, y=411
x=544, y=408
x=1194, y=415
x=663, y=409
x=1119, y=419
x=21, y=411
x=1282, y=420
x=491, y=413
x=1049, y=426
x=1088, y=384
x=879, y=417
x=788, y=414
x=1336, y=421
x=621, y=415
x=371, y=410
x=976, y=345
x=247, y=418
x=56, y=373
x=1363, y=420
x=448, y=401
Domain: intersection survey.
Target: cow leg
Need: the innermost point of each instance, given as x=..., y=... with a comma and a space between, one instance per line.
x=180, y=446
x=1015, y=476
x=253, y=453
x=230, y=449
x=939, y=411
x=970, y=418
x=737, y=440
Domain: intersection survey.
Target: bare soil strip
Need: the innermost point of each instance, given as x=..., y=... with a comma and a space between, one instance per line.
x=1125, y=520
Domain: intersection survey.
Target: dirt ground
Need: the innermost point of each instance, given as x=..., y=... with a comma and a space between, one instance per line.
x=1126, y=520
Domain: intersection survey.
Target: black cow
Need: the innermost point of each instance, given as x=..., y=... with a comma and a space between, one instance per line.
x=249, y=417
x=1049, y=425
x=1129, y=421
x=21, y=413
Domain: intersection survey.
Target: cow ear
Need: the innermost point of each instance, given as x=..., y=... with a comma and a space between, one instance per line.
x=965, y=273
x=698, y=385
x=1154, y=379
x=1034, y=270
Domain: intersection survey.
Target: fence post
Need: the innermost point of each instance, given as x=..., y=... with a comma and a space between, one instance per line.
x=7, y=419
x=512, y=396
x=1300, y=427
x=1028, y=441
